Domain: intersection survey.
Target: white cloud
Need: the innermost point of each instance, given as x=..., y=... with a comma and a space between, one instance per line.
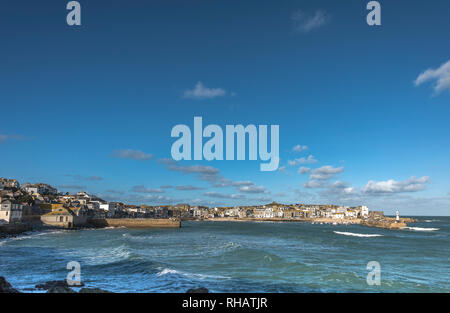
x=143, y=189
x=341, y=187
x=187, y=188
x=305, y=23
x=319, y=177
x=441, y=76
x=412, y=184
x=219, y=195
x=189, y=169
x=242, y=183
x=132, y=154
x=309, y=160
x=304, y=170
x=253, y=189
x=325, y=172
x=314, y=184
x=299, y=148
x=201, y=92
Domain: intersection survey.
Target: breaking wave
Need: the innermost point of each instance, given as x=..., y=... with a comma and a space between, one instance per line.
x=169, y=271
x=356, y=234
x=421, y=228
x=30, y=235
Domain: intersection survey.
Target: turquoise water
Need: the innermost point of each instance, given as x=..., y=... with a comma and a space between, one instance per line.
x=237, y=257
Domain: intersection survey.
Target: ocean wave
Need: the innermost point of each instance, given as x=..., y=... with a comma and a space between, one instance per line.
x=30, y=235
x=103, y=256
x=430, y=221
x=137, y=238
x=169, y=271
x=356, y=234
x=421, y=228
x=230, y=246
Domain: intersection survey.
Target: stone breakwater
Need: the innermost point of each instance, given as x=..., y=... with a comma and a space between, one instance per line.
x=14, y=229
x=382, y=222
x=136, y=222
x=387, y=222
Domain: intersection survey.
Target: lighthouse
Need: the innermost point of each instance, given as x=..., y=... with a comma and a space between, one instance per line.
x=397, y=217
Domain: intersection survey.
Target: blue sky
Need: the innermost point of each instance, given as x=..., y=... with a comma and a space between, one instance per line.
x=91, y=107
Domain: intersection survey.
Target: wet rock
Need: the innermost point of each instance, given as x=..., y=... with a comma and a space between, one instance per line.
x=93, y=290
x=56, y=283
x=5, y=286
x=198, y=290
x=60, y=289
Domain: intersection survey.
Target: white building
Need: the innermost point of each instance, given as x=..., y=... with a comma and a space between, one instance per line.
x=268, y=213
x=82, y=194
x=10, y=183
x=259, y=213
x=10, y=212
x=351, y=214
x=110, y=208
x=364, y=211
x=39, y=189
x=339, y=215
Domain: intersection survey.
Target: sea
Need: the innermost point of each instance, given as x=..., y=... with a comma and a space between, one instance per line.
x=281, y=257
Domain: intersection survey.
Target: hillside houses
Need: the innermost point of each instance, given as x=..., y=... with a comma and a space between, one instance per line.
x=39, y=188
x=29, y=202
x=9, y=183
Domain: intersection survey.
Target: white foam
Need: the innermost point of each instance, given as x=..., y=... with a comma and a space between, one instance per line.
x=356, y=234
x=30, y=235
x=421, y=228
x=166, y=271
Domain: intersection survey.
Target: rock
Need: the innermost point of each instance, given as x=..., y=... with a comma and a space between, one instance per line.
x=56, y=283
x=198, y=290
x=60, y=289
x=5, y=286
x=93, y=290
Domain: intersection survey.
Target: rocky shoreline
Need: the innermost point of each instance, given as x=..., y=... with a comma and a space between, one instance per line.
x=384, y=222
x=12, y=230
x=61, y=286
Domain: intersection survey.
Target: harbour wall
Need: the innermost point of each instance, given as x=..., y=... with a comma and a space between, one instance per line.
x=135, y=222
x=13, y=229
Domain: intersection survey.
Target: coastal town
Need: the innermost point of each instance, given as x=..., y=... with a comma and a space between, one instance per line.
x=25, y=206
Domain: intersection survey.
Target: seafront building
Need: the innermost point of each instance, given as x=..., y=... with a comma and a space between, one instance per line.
x=10, y=211
x=45, y=204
